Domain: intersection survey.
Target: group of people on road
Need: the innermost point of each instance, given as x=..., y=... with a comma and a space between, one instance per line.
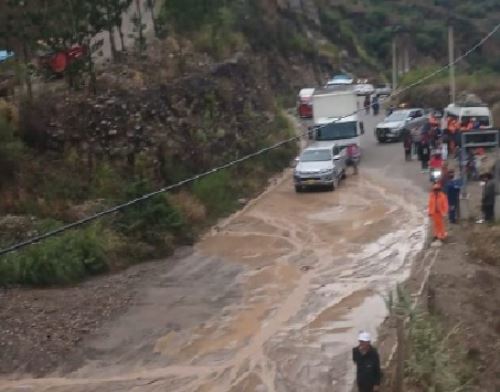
x=434, y=147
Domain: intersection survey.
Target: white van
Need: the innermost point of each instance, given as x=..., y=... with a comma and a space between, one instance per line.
x=463, y=114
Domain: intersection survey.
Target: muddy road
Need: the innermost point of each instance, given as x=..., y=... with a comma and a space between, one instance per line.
x=272, y=299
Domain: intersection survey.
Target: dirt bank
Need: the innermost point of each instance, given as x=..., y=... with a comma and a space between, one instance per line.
x=459, y=299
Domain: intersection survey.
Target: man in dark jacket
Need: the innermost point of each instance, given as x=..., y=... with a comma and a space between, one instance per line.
x=367, y=361
x=424, y=153
x=488, y=200
x=452, y=187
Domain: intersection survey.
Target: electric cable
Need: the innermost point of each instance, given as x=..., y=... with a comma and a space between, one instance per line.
x=147, y=196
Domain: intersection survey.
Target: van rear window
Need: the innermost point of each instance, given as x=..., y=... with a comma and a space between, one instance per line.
x=484, y=121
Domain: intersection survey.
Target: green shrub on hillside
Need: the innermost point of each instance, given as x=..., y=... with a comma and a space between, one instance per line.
x=275, y=160
x=11, y=150
x=217, y=193
x=433, y=363
x=107, y=183
x=151, y=221
x=63, y=259
x=190, y=15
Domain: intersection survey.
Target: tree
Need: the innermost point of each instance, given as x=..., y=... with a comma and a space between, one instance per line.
x=115, y=10
x=151, y=4
x=139, y=27
x=83, y=20
x=109, y=17
x=191, y=14
x=20, y=24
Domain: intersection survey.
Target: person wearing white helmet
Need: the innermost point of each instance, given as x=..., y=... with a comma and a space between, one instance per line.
x=366, y=358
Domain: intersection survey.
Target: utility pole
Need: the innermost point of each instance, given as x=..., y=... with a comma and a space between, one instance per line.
x=394, y=63
x=451, y=54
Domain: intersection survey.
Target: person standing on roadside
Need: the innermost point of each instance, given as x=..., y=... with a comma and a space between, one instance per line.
x=366, y=358
x=375, y=105
x=367, y=104
x=452, y=189
x=438, y=209
x=353, y=157
x=488, y=199
x=407, y=144
x=424, y=154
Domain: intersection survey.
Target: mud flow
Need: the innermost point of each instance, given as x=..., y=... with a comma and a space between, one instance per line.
x=271, y=301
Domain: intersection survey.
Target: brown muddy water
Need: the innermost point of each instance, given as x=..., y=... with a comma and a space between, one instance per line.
x=270, y=301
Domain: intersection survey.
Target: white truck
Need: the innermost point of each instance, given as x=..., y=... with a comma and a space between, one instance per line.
x=335, y=117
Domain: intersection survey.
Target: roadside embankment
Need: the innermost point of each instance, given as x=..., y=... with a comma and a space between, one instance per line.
x=452, y=324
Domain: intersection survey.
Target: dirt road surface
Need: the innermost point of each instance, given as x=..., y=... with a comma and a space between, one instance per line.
x=272, y=299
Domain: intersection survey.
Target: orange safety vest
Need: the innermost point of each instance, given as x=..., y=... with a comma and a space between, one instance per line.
x=438, y=203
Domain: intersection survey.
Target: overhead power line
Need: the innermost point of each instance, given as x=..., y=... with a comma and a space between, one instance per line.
x=230, y=164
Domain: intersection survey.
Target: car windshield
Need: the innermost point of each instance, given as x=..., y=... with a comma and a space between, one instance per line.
x=315, y=155
x=397, y=116
x=337, y=131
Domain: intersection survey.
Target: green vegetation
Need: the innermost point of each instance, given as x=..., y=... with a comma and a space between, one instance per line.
x=151, y=220
x=49, y=191
x=217, y=192
x=433, y=362
x=11, y=150
x=58, y=260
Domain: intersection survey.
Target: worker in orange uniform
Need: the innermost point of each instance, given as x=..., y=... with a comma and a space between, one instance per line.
x=438, y=209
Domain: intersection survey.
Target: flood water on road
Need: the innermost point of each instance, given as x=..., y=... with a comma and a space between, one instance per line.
x=270, y=301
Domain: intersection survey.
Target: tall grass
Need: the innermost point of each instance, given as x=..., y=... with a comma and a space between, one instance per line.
x=59, y=260
x=433, y=363
x=11, y=150
x=217, y=193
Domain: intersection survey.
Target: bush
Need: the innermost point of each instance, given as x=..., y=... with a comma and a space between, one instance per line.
x=279, y=158
x=63, y=259
x=11, y=150
x=471, y=10
x=190, y=15
x=432, y=363
x=107, y=183
x=152, y=221
x=217, y=193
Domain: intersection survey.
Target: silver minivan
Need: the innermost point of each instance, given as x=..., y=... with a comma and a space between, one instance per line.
x=320, y=166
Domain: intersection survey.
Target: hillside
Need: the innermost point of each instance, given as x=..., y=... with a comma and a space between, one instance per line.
x=204, y=84
x=211, y=86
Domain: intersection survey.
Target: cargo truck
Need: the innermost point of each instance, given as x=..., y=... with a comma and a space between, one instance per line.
x=335, y=116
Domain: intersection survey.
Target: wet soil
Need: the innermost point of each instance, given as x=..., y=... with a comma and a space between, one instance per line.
x=464, y=293
x=272, y=300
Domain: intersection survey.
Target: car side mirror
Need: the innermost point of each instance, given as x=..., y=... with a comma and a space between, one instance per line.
x=336, y=158
x=295, y=161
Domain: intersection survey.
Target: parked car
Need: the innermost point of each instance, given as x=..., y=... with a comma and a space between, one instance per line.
x=364, y=89
x=320, y=166
x=393, y=127
x=383, y=90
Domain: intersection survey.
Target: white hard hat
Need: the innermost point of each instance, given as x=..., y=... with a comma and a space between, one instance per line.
x=364, y=337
